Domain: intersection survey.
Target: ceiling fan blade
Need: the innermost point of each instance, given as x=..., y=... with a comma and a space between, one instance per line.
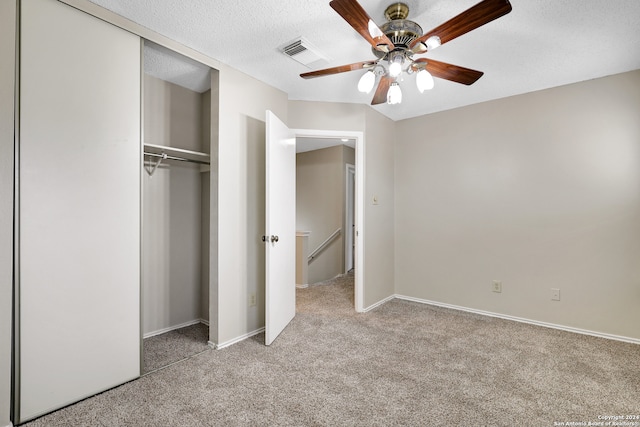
x=454, y=73
x=380, y=96
x=339, y=69
x=358, y=18
x=472, y=18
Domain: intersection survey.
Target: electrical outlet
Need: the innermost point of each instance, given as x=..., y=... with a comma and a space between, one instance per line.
x=555, y=294
x=497, y=286
x=252, y=299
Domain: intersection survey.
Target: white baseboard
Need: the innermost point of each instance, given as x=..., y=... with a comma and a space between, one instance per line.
x=379, y=303
x=523, y=320
x=305, y=286
x=173, y=328
x=9, y=425
x=225, y=344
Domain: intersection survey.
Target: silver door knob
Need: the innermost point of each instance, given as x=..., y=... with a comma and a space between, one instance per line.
x=274, y=239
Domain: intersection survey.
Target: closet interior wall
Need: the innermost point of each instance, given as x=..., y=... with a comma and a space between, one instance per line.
x=176, y=204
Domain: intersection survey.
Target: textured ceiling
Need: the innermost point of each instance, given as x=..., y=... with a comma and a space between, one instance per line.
x=167, y=65
x=540, y=44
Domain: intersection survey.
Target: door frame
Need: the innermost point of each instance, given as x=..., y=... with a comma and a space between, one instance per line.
x=359, y=201
x=349, y=212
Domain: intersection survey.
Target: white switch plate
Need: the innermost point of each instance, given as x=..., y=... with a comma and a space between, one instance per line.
x=497, y=286
x=555, y=294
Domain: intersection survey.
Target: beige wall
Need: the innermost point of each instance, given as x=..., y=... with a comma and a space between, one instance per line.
x=379, y=215
x=326, y=116
x=243, y=102
x=173, y=210
x=320, y=201
x=7, y=80
x=179, y=117
x=539, y=191
x=172, y=115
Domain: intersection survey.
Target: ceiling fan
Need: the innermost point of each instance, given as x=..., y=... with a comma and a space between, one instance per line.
x=396, y=43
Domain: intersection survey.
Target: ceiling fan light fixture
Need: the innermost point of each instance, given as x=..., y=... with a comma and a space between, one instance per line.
x=419, y=48
x=366, y=82
x=424, y=80
x=395, y=43
x=395, y=64
x=433, y=42
x=374, y=30
x=395, y=69
x=394, y=95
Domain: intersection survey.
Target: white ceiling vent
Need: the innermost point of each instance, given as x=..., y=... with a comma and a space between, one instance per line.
x=304, y=52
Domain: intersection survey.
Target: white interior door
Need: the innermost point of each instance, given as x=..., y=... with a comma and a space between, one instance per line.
x=280, y=231
x=79, y=213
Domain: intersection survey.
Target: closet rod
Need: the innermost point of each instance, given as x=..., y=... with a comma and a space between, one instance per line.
x=182, y=159
x=165, y=156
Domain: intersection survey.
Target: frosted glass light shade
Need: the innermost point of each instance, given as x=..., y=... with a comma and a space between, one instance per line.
x=374, y=30
x=396, y=59
x=395, y=69
x=433, y=42
x=366, y=82
x=424, y=80
x=394, y=96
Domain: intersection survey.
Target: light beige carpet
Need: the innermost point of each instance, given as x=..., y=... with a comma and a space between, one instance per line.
x=402, y=364
x=171, y=347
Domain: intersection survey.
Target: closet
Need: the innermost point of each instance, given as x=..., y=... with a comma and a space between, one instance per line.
x=115, y=209
x=175, y=206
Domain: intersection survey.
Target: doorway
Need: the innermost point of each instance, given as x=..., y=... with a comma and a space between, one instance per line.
x=334, y=247
x=280, y=219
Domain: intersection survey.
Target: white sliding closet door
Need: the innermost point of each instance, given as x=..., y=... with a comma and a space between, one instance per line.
x=79, y=209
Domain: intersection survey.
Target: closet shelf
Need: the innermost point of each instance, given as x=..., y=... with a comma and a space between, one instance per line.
x=187, y=155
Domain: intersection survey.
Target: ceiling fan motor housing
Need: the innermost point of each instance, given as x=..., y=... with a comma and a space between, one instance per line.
x=399, y=30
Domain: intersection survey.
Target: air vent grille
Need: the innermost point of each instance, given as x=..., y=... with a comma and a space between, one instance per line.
x=304, y=52
x=294, y=48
